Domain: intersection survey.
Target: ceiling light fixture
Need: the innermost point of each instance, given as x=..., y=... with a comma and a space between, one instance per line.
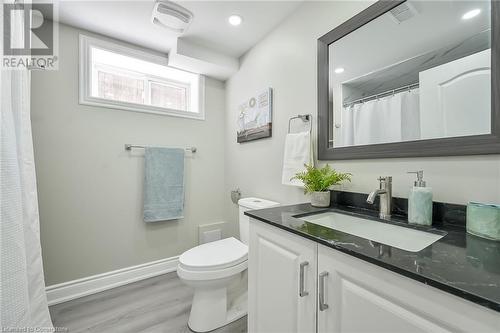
x=339, y=70
x=234, y=20
x=470, y=14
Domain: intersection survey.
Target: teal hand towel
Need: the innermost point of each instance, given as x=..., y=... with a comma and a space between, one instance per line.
x=163, y=184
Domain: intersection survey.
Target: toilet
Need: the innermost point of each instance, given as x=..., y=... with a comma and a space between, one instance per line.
x=217, y=272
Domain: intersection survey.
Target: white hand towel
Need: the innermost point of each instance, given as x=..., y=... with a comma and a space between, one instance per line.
x=298, y=151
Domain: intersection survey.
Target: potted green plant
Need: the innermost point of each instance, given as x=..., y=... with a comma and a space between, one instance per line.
x=317, y=182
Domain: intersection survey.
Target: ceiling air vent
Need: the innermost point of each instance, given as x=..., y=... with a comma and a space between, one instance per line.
x=403, y=12
x=171, y=16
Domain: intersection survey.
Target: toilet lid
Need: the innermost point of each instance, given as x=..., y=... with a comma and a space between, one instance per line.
x=215, y=255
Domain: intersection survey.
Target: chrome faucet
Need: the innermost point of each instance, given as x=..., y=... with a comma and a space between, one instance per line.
x=385, y=193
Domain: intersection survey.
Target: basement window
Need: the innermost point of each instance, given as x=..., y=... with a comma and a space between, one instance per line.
x=116, y=76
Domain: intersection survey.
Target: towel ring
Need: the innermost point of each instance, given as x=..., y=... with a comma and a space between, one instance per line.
x=304, y=118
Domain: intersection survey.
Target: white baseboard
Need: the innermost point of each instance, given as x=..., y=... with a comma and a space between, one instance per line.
x=67, y=291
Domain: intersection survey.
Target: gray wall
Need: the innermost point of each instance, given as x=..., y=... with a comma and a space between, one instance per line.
x=90, y=189
x=286, y=61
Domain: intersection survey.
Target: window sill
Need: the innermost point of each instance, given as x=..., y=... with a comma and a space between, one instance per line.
x=109, y=104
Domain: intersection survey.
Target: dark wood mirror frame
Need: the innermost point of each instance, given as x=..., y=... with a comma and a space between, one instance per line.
x=467, y=145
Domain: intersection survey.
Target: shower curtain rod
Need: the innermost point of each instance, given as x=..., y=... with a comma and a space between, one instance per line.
x=384, y=94
x=129, y=146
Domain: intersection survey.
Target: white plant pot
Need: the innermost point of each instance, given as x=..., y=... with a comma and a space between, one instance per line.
x=320, y=199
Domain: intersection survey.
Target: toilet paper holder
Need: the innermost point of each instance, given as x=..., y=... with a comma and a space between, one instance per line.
x=235, y=196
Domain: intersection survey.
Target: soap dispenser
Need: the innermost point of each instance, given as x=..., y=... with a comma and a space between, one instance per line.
x=420, y=201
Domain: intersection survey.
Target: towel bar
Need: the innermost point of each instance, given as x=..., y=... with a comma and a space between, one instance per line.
x=304, y=118
x=129, y=146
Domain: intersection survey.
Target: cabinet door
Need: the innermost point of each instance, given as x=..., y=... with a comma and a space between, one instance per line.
x=362, y=297
x=281, y=281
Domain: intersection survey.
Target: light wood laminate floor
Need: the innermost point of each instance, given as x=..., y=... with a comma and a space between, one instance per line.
x=159, y=304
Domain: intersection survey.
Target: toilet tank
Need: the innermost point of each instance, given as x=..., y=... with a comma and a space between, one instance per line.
x=251, y=204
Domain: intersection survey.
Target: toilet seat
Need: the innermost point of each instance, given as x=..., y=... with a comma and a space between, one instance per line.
x=213, y=260
x=209, y=275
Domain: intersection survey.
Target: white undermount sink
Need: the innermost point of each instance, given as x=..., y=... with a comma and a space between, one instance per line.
x=407, y=239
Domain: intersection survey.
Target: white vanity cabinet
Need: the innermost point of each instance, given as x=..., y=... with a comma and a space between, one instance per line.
x=362, y=297
x=281, y=280
x=351, y=295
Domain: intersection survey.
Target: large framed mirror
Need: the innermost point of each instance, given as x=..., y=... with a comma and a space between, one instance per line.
x=411, y=78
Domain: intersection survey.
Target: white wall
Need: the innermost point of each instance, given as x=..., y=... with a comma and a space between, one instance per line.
x=286, y=61
x=90, y=188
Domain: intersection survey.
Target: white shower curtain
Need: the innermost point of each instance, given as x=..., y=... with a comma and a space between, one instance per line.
x=23, y=302
x=378, y=121
x=22, y=287
x=410, y=117
x=394, y=118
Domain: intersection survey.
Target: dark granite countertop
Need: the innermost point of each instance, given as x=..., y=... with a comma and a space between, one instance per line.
x=461, y=264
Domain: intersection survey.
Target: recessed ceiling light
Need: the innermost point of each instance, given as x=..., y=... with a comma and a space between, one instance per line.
x=470, y=14
x=234, y=20
x=339, y=70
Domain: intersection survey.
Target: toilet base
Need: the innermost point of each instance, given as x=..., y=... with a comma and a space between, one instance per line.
x=217, y=307
x=233, y=314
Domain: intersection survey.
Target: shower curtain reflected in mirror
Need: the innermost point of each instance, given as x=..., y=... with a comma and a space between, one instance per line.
x=23, y=301
x=393, y=118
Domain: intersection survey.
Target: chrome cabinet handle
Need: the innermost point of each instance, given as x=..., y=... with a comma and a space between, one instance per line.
x=322, y=305
x=302, y=292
